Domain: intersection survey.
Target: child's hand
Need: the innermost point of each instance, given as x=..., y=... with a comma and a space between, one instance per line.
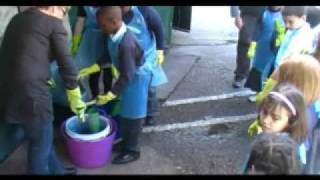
x=238, y=22
x=252, y=50
x=280, y=33
x=254, y=128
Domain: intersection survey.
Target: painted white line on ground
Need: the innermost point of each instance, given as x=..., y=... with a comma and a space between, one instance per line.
x=208, y=98
x=198, y=123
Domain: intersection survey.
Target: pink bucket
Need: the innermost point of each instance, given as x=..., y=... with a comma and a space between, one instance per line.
x=90, y=154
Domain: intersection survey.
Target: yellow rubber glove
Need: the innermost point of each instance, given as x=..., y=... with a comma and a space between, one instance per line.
x=252, y=50
x=89, y=70
x=105, y=98
x=280, y=33
x=75, y=44
x=160, y=57
x=51, y=83
x=267, y=88
x=254, y=128
x=114, y=71
x=77, y=106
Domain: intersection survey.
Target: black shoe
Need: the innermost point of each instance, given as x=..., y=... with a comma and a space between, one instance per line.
x=149, y=121
x=126, y=157
x=70, y=171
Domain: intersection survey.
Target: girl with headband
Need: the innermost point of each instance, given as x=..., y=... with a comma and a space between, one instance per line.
x=284, y=110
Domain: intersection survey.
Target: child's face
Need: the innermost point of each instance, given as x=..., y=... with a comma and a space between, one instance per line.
x=276, y=121
x=107, y=26
x=294, y=22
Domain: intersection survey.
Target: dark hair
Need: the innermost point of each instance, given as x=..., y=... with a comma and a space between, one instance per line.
x=294, y=11
x=297, y=127
x=274, y=153
x=103, y=9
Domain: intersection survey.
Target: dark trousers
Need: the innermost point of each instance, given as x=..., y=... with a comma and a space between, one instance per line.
x=153, y=103
x=245, y=37
x=94, y=81
x=131, y=131
x=42, y=158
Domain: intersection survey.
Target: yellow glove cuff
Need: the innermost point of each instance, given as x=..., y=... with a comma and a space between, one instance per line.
x=252, y=50
x=111, y=95
x=114, y=71
x=253, y=45
x=160, y=56
x=267, y=88
x=73, y=93
x=254, y=128
x=95, y=68
x=76, y=39
x=89, y=70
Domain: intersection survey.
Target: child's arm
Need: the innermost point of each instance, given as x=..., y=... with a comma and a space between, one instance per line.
x=127, y=65
x=267, y=88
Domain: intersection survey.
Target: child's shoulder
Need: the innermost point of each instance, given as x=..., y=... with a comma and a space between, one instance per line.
x=128, y=40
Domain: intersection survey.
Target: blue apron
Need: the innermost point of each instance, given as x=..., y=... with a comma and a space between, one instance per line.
x=91, y=45
x=265, y=55
x=88, y=52
x=294, y=42
x=133, y=100
x=312, y=117
x=138, y=26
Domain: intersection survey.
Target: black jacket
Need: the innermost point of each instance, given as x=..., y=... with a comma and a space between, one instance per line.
x=31, y=41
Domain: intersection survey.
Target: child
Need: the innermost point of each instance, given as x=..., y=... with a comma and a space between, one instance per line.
x=299, y=35
x=302, y=71
x=284, y=110
x=275, y=153
x=88, y=48
x=145, y=23
x=262, y=45
x=132, y=85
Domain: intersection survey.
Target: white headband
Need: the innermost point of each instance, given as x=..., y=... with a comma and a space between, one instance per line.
x=285, y=100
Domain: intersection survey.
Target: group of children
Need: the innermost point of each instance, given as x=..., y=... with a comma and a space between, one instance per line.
x=125, y=45
x=286, y=75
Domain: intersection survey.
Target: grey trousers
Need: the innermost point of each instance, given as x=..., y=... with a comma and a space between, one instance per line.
x=245, y=37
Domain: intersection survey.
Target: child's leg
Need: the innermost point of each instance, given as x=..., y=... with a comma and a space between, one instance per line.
x=94, y=84
x=153, y=106
x=130, y=149
x=107, y=79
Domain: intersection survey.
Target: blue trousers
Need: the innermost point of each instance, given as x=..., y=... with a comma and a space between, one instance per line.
x=42, y=158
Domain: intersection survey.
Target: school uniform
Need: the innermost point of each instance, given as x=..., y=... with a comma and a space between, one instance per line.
x=295, y=41
x=127, y=56
x=146, y=25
